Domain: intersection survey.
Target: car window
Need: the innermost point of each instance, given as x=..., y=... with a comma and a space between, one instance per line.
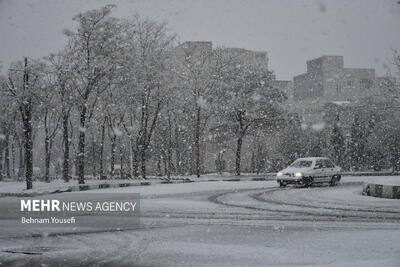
x=319, y=163
x=301, y=163
x=329, y=164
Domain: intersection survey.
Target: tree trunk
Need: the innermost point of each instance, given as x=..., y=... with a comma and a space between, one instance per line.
x=13, y=158
x=28, y=146
x=81, y=146
x=135, y=164
x=66, y=147
x=169, y=151
x=26, y=114
x=238, y=154
x=47, y=149
x=143, y=162
x=159, y=172
x=178, y=152
x=253, y=161
x=47, y=159
x=130, y=158
x=121, y=162
x=169, y=159
x=93, y=157
x=113, y=139
x=165, y=162
x=197, y=142
x=101, y=167
x=21, y=161
x=7, y=156
x=178, y=161
x=1, y=161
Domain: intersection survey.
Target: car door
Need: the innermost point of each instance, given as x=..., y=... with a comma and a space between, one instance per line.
x=318, y=171
x=329, y=170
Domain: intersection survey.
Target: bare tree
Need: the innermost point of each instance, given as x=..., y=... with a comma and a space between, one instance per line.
x=61, y=73
x=247, y=100
x=22, y=87
x=50, y=114
x=8, y=116
x=196, y=68
x=147, y=47
x=115, y=114
x=93, y=46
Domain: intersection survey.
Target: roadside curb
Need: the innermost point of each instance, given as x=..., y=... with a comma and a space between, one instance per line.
x=381, y=190
x=25, y=194
x=83, y=187
x=232, y=180
x=370, y=173
x=104, y=185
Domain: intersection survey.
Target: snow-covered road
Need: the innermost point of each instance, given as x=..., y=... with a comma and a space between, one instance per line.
x=230, y=223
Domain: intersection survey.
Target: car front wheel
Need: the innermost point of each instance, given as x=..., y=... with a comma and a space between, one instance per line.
x=282, y=184
x=308, y=181
x=334, y=181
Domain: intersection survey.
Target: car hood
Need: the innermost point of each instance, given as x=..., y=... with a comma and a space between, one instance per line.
x=294, y=170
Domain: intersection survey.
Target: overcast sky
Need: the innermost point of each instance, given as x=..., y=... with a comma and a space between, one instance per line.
x=363, y=31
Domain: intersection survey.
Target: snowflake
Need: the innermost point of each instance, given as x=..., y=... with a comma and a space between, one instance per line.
x=318, y=126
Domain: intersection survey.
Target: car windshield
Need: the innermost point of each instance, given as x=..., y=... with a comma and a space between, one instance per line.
x=301, y=163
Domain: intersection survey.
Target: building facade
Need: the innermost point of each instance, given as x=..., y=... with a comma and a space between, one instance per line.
x=327, y=80
x=330, y=94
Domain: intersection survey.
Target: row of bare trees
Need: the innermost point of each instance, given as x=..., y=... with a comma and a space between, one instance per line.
x=124, y=90
x=122, y=93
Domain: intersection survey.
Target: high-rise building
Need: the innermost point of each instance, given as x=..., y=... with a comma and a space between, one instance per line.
x=328, y=81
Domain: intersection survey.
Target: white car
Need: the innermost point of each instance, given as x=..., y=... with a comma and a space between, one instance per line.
x=307, y=171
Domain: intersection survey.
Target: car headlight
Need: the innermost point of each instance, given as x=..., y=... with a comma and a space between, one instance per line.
x=298, y=174
x=279, y=174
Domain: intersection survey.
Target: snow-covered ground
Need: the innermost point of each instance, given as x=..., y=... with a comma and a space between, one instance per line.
x=220, y=223
x=212, y=245
x=39, y=186
x=380, y=179
x=59, y=184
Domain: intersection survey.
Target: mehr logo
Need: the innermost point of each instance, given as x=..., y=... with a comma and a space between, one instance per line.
x=40, y=205
x=56, y=205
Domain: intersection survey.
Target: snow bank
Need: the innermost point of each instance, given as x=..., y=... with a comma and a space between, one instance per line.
x=40, y=187
x=384, y=189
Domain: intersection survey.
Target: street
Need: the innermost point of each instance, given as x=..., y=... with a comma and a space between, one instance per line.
x=252, y=223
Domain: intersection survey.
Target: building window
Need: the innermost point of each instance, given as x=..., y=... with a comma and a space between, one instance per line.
x=350, y=83
x=365, y=83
